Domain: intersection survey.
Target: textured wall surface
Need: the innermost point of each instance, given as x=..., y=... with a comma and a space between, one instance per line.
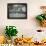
x=28, y=26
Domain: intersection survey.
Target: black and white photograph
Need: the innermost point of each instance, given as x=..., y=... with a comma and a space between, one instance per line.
x=17, y=11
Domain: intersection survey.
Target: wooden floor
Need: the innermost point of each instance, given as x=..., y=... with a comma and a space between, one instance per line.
x=31, y=45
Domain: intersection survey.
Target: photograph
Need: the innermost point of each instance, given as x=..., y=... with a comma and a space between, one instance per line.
x=17, y=11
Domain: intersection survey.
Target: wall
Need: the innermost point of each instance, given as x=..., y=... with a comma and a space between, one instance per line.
x=27, y=26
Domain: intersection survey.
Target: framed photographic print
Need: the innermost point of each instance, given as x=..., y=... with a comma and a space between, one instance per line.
x=17, y=11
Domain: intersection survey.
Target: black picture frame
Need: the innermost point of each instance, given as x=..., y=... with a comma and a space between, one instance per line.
x=17, y=10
